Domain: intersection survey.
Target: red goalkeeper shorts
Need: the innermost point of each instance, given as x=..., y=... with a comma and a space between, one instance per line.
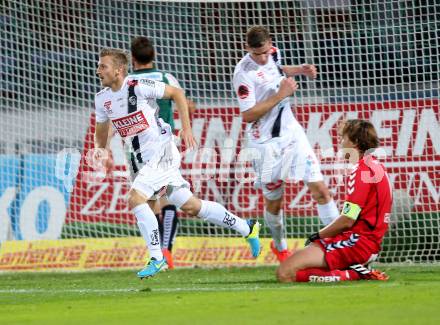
x=347, y=249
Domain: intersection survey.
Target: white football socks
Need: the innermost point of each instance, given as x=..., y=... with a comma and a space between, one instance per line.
x=328, y=212
x=218, y=215
x=149, y=228
x=276, y=226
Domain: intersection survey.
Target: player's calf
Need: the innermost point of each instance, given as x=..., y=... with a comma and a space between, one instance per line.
x=169, y=230
x=218, y=215
x=169, y=224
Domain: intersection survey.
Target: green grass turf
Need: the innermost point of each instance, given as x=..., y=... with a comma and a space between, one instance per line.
x=217, y=296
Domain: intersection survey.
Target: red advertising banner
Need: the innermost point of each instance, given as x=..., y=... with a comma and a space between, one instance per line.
x=409, y=131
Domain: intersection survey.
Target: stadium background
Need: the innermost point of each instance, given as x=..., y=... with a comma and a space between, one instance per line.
x=376, y=60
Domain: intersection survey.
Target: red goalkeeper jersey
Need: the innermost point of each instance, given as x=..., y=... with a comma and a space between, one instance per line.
x=368, y=199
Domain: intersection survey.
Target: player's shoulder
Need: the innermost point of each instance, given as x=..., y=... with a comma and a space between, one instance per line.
x=370, y=162
x=361, y=165
x=168, y=75
x=102, y=93
x=152, y=75
x=148, y=86
x=276, y=54
x=147, y=82
x=143, y=80
x=246, y=65
x=369, y=166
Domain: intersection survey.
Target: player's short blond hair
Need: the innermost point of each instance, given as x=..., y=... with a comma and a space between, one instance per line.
x=119, y=57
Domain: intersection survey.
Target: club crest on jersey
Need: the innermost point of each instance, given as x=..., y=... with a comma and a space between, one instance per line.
x=108, y=106
x=132, y=100
x=243, y=91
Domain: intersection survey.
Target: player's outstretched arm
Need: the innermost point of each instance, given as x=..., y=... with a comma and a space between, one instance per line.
x=287, y=87
x=178, y=96
x=308, y=70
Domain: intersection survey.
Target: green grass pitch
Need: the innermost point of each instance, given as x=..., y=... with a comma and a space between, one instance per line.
x=217, y=296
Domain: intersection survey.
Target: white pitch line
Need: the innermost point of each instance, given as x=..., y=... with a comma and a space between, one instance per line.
x=192, y=289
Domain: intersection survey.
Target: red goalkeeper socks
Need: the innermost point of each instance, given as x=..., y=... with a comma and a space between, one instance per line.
x=323, y=275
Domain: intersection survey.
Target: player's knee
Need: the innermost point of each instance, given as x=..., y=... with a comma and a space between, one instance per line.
x=192, y=206
x=273, y=206
x=190, y=209
x=285, y=274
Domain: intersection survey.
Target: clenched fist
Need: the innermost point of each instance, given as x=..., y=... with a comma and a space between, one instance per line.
x=287, y=87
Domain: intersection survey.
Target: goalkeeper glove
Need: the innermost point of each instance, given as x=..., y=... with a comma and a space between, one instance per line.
x=312, y=238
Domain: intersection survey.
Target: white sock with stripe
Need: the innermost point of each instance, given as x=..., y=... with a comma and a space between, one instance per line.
x=218, y=215
x=149, y=228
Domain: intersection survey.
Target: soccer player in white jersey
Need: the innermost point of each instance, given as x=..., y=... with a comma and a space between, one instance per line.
x=142, y=58
x=263, y=87
x=124, y=103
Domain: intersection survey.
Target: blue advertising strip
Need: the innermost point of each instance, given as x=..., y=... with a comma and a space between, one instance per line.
x=39, y=208
x=9, y=180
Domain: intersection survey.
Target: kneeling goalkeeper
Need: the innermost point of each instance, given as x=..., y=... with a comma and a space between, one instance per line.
x=342, y=250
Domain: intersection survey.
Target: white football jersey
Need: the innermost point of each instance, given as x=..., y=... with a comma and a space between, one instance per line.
x=154, y=74
x=254, y=83
x=134, y=118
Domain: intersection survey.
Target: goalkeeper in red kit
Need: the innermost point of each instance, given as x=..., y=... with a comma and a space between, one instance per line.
x=342, y=250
